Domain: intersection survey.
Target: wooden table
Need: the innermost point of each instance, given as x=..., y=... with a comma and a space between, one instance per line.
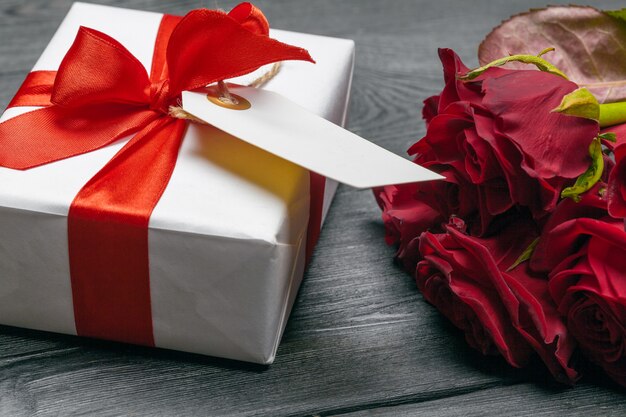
x=361, y=340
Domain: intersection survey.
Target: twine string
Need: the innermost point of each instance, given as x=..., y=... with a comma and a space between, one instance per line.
x=225, y=96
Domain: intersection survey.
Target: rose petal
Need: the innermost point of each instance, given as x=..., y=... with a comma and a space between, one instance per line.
x=514, y=309
x=556, y=145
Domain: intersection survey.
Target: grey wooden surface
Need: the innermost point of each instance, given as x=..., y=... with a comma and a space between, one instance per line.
x=361, y=340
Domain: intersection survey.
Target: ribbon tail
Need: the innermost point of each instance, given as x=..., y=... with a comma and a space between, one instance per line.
x=108, y=236
x=54, y=133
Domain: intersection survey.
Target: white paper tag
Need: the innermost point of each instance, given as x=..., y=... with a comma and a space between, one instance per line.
x=282, y=127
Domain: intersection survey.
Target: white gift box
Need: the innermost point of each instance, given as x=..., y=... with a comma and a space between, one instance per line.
x=227, y=238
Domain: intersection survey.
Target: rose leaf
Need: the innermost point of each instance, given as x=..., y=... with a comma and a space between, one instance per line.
x=528, y=252
x=590, y=45
x=608, y=136
x=591, y=176
x=618, y=14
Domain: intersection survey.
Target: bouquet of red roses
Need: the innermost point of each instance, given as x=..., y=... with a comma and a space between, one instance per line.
x=523, y=245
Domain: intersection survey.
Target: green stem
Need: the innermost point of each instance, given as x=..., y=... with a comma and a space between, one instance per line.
x=537, y=61
x=612, y=113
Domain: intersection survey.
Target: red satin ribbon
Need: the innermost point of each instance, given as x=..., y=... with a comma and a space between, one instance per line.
x=102, y=93
x=35, y=90
x=316, y=209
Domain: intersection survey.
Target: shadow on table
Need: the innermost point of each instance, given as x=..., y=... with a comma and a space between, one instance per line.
x=103, y=348
x=535, y=373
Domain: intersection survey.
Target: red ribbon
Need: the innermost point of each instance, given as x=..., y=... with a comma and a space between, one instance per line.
x=102, y=93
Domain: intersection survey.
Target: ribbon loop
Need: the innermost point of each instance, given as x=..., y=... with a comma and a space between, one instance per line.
x=251, y=18
x=100, y=79
x=98, y=69
x=221, y=49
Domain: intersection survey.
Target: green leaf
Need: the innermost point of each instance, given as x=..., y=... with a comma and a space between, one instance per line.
x=618, y=14
x=528, y=252
x=608, y=136
x=580, y=103
x=591, y=176
x=590, y=45
x=535, y=60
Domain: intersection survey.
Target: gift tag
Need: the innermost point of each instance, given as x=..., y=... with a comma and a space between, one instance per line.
x=278, y=125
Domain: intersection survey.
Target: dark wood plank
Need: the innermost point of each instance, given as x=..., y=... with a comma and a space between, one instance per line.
x=360, y=337
x=512, y=401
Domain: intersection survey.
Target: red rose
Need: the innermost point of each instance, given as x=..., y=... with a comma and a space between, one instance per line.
x=589, y=287
x=548, y=253
x=617, y=178
x=406, y=216
x=507, y=312
x=408, y=210
x=498, y=133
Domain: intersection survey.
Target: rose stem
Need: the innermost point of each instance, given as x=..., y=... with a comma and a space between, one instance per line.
x=612, y=113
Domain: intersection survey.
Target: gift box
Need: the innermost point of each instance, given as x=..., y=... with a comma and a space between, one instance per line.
x=227, y=241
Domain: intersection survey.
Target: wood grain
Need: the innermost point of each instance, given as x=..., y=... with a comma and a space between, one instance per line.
x=361, y=340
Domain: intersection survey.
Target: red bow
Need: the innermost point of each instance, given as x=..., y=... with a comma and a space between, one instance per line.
x=100, y=94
